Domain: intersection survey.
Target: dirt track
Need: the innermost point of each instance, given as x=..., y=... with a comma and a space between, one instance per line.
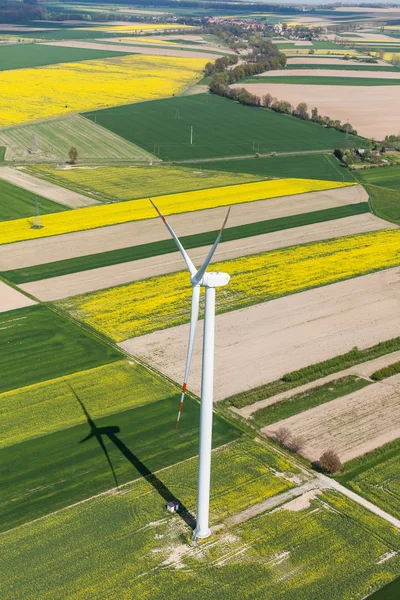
x=11, y=298
x=348, y=425
x=46, y=189
x=372, y=110
x=83, y=282
x=263, y=342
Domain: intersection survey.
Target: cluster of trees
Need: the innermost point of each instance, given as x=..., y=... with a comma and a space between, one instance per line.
x=329, y=461
x=19, y=12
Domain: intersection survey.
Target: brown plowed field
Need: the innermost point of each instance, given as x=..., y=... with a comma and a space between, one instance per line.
x=372, y=110
x=263, y=342
x=352, y=425
x=11, y=298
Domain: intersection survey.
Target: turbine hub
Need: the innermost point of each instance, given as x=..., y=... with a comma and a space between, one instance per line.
x=215, y=279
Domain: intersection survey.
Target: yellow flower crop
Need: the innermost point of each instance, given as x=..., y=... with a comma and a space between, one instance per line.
x=144, y=306
x=388, y=55
x=54, y=90
x=139, y=27
x=136, y=210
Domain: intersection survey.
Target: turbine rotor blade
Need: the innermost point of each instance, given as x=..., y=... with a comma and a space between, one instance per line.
x=182, y=250
x=199, y=275
x=192, y=332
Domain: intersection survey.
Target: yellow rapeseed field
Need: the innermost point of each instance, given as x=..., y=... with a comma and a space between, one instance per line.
x=139, y=27
x=136, y=210
x=160, y=302
x=388, y=56
x=54, y=90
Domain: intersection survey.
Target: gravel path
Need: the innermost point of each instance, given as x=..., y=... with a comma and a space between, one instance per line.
x=46, y=189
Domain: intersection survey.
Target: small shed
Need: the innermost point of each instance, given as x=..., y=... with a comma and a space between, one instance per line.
x=173, y=506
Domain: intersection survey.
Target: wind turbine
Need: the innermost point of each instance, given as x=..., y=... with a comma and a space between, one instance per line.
x=210, y=281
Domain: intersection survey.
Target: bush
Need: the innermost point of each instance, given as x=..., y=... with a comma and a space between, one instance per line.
x=330, y=462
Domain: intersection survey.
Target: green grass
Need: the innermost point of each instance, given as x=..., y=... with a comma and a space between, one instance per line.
x=307, y=400
x=2, y=153
x=221, y=127
x=16, y=203
x=22, y=56
x=313, y=372
x=384, y=203
x=316, y=166
x=49, y=406
x=322, y=80
x=108, y=183
x=388, y=371
x=45, y=474
x=387, y=177
x=69, y=34
x=113, y=544
x=113, y=257
x=345, y=67
x=37, y=344
x=54, y=138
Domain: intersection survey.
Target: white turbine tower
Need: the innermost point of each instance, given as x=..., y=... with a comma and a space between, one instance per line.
x=209, y=280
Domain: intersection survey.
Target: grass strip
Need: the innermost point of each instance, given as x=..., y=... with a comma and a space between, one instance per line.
x=113, y=257
x=308, y=399
x=356, y=466
x=385, y=203
x=388, y=371
x=2, y=153
x=313, y=372
x=322, y=80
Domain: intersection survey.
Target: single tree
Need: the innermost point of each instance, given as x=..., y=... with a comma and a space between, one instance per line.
x=295, y=443
x=301, y=111
x=281, y=435
x=73, y=155
x=330, y=462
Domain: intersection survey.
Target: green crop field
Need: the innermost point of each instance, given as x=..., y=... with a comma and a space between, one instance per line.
x=54, y=138
x=307, y=400
x=113, y=257
x=37, y=344
x=22, y=56
x=69, y=34
x=322, y=80
x=108, y=183
x=387, y=177
x=16, y=203
x=315, y=166
x=384, y=203
x=54, y=471
x=142, y=548
x=105, y=390
x=375, y=476
x=221, y=127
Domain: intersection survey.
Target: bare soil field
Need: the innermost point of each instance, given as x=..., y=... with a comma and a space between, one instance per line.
x=137, y=49
x=46, y=189
x=282, y=335
x=352, y=425
x=361, y=105
x=333, y=73
x=292, y=60
x=11, y=298
x=83, y=282
x=82, y=243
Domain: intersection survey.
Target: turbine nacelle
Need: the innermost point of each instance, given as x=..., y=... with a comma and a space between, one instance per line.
x=213, y=279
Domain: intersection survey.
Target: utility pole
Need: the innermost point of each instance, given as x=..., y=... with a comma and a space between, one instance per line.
x=191, y=135
x=37, y=223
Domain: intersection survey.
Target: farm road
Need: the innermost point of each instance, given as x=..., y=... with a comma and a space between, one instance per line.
x=282, y=335
x=93, y=241
x=64, y=286
x=46, y=189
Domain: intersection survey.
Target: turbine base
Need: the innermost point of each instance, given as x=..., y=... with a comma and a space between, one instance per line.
x=200, y=535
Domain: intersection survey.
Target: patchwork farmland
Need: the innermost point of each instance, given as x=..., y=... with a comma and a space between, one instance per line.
x=102, y=113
